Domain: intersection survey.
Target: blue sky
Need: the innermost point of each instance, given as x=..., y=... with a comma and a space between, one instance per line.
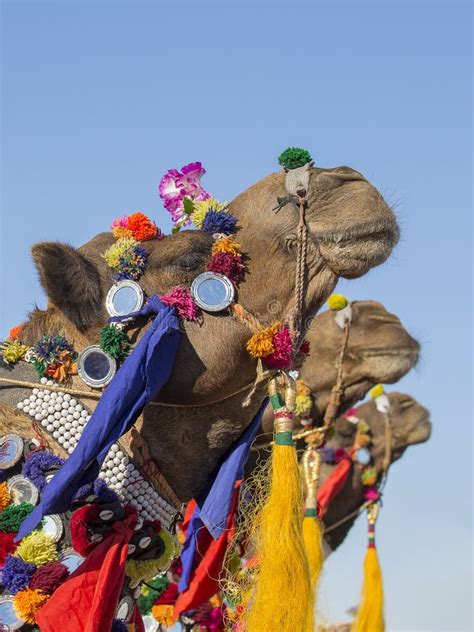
x=100, y=99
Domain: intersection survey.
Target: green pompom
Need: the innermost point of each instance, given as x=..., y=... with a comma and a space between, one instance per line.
x=294, y=157
x=115, y=342
x=12, y=517
x=151, y=592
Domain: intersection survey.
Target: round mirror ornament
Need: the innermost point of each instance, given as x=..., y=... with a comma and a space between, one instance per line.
x=95, y=367
x=123, y=298
x=212, y=292
x=11, y=450
x=22, y=490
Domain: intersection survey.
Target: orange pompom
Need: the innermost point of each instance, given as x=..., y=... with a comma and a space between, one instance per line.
x=27, y=603
x=4, y=496
x=141, y=226
x=226, y=244
x=121, y=231
x=15, y=332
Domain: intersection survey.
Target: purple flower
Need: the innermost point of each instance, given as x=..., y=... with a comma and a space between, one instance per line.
x=176, y=185
x=16, y=574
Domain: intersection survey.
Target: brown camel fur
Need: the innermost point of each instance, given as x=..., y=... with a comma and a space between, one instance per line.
x=351, y=229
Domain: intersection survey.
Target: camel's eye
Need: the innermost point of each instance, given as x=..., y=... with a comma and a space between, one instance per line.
x=189, y=261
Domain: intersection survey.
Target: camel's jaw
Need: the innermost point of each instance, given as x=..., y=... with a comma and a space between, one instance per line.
x=389, y=364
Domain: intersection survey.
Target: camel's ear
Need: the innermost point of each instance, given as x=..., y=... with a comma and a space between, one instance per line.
x=71, y=282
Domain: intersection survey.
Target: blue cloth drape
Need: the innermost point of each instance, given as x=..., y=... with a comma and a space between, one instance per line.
x=136, y=384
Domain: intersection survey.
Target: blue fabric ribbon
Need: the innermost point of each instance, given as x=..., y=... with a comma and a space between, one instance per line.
x=213, y=512
x=136, y=384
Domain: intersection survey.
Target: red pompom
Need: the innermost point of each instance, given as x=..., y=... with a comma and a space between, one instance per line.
x=48, y=577
x=228, y=264
x=7, y=546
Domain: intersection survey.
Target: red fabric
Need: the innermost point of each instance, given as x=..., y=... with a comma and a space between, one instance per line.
x=168, y=597
x=138, y=621
x=87, y=601
x=188, y=514
x=333, y=484
x=205, y=581
x=7, y=546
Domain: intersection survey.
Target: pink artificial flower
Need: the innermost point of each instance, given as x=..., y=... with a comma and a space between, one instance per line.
x=120, y=222
x=371, y=493
x=176, y=185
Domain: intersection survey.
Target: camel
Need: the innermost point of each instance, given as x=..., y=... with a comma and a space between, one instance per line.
x=410, y=425
x=351, y=229
x=379, y=350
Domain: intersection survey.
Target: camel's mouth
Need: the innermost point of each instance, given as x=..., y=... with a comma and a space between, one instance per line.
x=405, y=352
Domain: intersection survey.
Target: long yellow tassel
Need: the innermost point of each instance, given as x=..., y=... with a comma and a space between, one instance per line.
x=312, y=528
x=370, y=616
x=282, y=599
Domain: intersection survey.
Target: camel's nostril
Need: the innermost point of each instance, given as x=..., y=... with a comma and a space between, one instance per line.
x=301, y=192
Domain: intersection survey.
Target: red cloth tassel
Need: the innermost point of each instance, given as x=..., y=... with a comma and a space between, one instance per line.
x=138, y=621
x=333, y=484
x=205, y=581
x=87, y=601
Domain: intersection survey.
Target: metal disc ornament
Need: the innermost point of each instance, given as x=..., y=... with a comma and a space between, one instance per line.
x=212, y=292
x=53, y=527
x=123, y=298
x=71, y=559
x=95, y=367
x=11, y=450
x=22, y=490
x=124, y=609
x=8, y=616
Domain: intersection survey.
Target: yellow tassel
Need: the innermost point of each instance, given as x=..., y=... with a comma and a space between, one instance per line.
x=370, y=617
x=313, y=542
x=282, y=599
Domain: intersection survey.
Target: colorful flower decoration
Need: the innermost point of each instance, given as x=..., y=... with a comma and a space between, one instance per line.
x=115, y=342
x=13, y=350
x=138, y=226
x=54, y=357
x=204, y=208
x=294, y=157
x=177, y=186
x=126, y=258
x=182, y=299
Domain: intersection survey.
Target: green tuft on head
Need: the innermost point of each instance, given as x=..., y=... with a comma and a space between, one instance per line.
x=294, y=157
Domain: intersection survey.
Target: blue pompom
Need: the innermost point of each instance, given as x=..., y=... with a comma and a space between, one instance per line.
x=118, y=626
x=215, y=222
x=16, y=574
x=37, y=464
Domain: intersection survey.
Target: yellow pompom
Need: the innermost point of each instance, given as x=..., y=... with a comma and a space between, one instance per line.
x=147, y=569
x=260, y=344
x=226, y=244
x=13, y=350
x=202, y=207
x=112, y=255
x=5, y=497
x=337, y=302
x=376, y=391
x=119, y=232
x=303, y=405
x=163, y=613
x=302, y=388
x=27, y=603
x=37, y=548
x=369, y=476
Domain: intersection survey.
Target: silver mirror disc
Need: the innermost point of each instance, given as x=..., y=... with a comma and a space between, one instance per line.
x=123, y=298
x=212, y=292
x=11, y=450
x=22, y=490
x=53, y=526
x=8, y=616
x=71, y=559
x=95, y=367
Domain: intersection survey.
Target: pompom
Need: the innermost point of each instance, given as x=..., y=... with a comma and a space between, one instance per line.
x=12, y=517
x=146, y=569
x=13, y=351
x=294, y=157
x=229, y=265
x=37, y=548
x=163, y=613
x=118, y=626
x=142, y=227
x=303, y=405
x=4, y=496
x=369, y=477
x=54, y=357
x=114, y=341
x=202, y=208
x=282, y=356
x=37, y=464
x=16, y=574
x=48, y=577
x=7, y=546
x=151, y=592
x=126, y=258
x=15, y=332
x=261, y=344
x=225, y=244
x=78, y=526
x=339, y=455
x=376, y=391
x=305, y=348
x=97, y=488
x=328, y=455
x=27, y=603
x=371, y=493
x=337, y=302
x=221, y=223
x=181, y=298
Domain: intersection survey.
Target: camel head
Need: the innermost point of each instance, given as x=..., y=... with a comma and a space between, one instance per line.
x=409, y=425
x=379, y=349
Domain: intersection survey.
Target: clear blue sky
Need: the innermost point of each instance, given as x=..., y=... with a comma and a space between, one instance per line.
x=99, y=99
